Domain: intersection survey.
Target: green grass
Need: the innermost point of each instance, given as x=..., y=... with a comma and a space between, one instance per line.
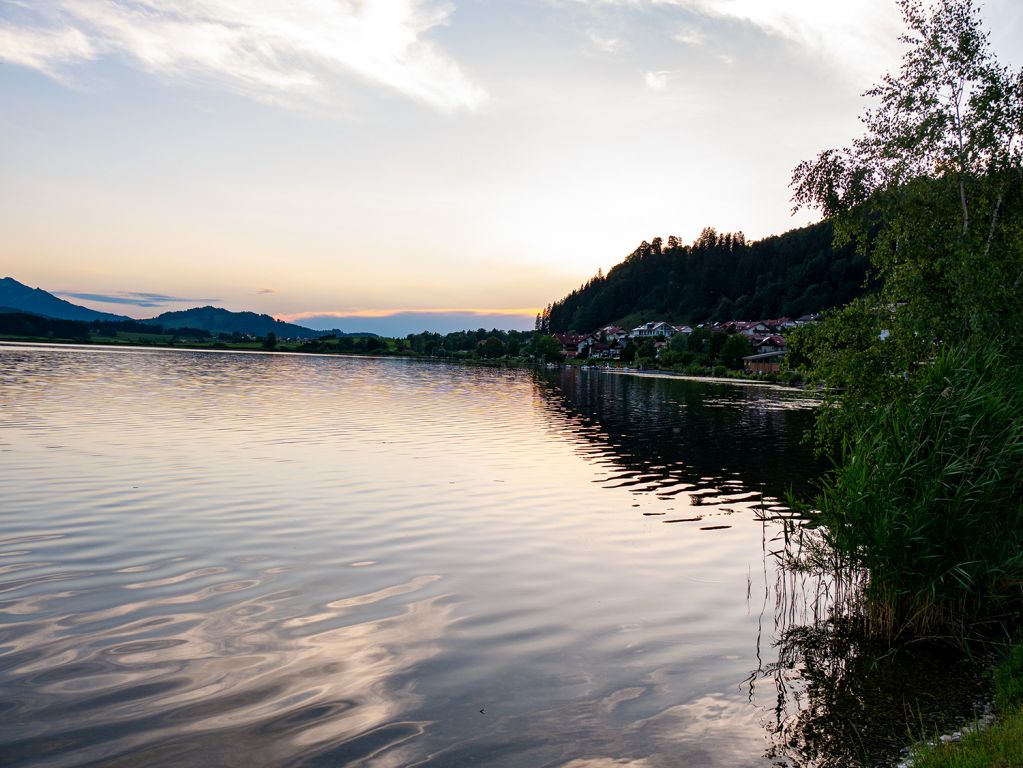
x=1001, y=745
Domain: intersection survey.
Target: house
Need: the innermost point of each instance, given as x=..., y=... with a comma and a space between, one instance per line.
x=611, y=333
x=659, y=329
x=586, y=344
x=755, y=330
x=773, y=343
x=785, y=324
x=683, y=329
x=600, y=350
x=768, y=362
x=569, y=343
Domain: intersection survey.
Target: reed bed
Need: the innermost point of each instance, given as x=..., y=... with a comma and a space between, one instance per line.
x=922, y=523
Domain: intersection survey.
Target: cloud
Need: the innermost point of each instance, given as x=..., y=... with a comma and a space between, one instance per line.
x=658, y=81
x=603, y=42
x=44, y=49
x=264, y=291
x=279, y=50
x=691, y=36
x=860, y=37
x=135, y=298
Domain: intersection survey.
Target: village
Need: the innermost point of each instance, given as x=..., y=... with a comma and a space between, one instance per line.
x=765, y=340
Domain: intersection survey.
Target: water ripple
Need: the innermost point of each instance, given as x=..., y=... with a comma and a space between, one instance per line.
x=230, y=559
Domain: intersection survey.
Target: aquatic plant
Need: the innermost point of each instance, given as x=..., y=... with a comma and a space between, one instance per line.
x=923, y=520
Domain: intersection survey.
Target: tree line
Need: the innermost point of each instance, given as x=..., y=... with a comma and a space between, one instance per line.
x=720, y=276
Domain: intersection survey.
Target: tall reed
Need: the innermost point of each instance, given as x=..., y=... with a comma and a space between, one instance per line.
x=924, y=516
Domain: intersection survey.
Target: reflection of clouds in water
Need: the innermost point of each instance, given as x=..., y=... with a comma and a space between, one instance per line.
x=727, y=732
x=239, y=685
x=210, y=612
x=710, y=731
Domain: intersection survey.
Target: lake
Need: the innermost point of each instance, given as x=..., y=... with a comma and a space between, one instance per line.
x=280, y=560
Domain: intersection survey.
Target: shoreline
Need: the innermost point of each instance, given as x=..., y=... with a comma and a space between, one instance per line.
x=483, y=362
x=662, y=374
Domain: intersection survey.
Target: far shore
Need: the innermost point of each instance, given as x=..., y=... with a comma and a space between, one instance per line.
x=662, y=374
x=484, y=362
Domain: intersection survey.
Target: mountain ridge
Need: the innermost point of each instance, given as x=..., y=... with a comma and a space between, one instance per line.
x=18, y=296
x=220, y=320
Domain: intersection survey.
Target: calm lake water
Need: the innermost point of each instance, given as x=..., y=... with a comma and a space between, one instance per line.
x=281, y=560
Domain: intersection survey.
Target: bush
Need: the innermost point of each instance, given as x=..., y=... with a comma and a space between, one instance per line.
x=695, y=369
x=926, y=510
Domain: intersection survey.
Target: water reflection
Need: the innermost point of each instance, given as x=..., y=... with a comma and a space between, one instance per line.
x=828, y=698
x=284, y=560
x=714, y=445
x=247, y=683
x=842, y=701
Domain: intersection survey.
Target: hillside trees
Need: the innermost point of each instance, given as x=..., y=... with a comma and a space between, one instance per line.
x=791, y=274
x=936, y=180
x=924, y=510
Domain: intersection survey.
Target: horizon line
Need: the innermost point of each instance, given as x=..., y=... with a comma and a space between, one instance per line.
x=296, y=317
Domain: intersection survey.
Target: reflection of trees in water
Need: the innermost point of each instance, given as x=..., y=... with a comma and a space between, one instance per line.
x=720, y=442
x=830, y=699
x=840, y=700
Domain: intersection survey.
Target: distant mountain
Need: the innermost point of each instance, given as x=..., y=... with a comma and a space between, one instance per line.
x=217, y=320
x=21, y=298
x=16, y=297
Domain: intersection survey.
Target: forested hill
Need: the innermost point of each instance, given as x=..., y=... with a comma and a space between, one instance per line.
x=718, y=277
x=218, y=320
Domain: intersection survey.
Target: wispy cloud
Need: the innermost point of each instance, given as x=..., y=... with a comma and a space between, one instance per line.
x=603, y=42
x=273, y=49
x=264, y=291
x=658, y=81
x=858, y=36
x=44, y=49
x=691, y=35
x=136, y=298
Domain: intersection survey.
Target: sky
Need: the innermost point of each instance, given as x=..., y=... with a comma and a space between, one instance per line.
x=406, y=165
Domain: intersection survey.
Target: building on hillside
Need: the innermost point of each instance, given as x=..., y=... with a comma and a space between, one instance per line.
x=755, y=330
x=773, y=343
x=569, y=343
x=659, y=329
x=598, y=349
x=781, y=324
x=611, y=333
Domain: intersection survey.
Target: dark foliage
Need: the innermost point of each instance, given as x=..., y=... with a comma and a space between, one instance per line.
x=718, y=277
x=25, y=324
x=481, y=341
